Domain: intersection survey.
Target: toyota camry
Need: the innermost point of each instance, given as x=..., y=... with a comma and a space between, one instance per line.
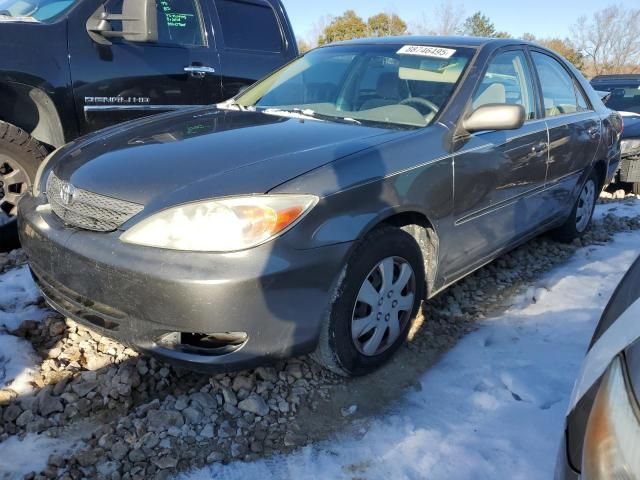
x=316, y=210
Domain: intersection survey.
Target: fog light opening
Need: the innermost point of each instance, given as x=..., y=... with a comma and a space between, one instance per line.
x=212, y=344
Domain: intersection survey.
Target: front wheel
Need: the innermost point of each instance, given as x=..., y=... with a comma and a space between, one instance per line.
x=380, y=295
x=582, y=213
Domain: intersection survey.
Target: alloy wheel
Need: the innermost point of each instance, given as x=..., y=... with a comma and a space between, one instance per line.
x=586, y=202
x=384, y=306
x=14, y=183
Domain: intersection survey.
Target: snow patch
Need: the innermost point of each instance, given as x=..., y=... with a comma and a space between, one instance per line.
x=18, y=457
x=19, y=297
x=18, y=364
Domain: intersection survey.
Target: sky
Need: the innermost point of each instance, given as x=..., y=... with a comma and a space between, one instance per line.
x=543, y=18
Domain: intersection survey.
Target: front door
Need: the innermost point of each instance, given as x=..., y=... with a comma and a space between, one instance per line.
x=125, y=80
x=498, y=174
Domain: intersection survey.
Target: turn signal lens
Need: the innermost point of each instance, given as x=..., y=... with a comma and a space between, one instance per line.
x=222, y=225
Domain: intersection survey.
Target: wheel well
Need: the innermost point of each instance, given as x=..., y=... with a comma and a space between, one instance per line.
x=600, y=168
x=33, y=111
x=421, y=229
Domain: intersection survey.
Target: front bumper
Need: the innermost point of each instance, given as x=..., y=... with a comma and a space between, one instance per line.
x=276, y=294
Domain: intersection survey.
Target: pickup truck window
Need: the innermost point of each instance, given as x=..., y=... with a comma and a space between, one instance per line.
x=249, y=26
x=179, y=22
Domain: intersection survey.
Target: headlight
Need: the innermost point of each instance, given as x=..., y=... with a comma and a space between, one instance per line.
x=221, y=225
x=36, y=182
x=630, y=147
x=612, y=442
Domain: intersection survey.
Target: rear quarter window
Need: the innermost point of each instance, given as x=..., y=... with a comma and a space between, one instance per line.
x=249, y=26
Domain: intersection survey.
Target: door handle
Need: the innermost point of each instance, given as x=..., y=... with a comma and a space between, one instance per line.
x=539, y=149
x=199, y=71
x=593, y=132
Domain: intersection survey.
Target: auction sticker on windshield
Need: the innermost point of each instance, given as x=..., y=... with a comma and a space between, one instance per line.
x=426, y=51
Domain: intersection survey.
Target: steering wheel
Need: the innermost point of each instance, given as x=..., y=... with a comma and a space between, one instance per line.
x=421, y=102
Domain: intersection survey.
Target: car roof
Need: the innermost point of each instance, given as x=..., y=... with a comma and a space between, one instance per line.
x=441, y=41
x=607, y=78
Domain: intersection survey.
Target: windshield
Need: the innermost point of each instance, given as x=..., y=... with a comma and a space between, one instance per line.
x=388, y=85
x=40, y=10
x=624, y=98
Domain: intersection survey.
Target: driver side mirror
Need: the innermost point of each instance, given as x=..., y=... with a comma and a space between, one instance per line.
x=495, y=116
x=139, y=21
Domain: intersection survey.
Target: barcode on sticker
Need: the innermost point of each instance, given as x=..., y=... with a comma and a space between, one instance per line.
x=426, y=51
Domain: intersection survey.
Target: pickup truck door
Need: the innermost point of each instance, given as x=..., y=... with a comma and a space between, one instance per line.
x=126, y=80
x=254, y=38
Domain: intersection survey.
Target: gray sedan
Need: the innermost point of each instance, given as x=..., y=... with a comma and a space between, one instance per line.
x=315, y=211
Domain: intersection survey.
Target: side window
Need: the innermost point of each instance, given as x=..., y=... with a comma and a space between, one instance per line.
x=508, y=80
x=179, y=22
x=249, y=26
x=583, y=103
x=558, y=88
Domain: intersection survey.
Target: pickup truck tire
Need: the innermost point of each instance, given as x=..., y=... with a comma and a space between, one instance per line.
x=20, y=156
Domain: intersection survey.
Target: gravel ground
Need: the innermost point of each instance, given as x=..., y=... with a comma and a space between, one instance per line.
x=135, y=417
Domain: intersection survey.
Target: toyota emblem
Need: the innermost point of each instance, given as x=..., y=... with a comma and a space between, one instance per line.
x=67, y=192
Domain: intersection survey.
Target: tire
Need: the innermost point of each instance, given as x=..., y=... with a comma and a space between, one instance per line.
x=20, y=157
x=580, y=219
x=341, y=349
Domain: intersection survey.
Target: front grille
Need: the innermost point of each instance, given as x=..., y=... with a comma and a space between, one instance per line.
x=89, y=210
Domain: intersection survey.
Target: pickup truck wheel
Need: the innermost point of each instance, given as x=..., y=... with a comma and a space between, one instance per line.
x=580, y=219
x=20, y=156
x=380, y=294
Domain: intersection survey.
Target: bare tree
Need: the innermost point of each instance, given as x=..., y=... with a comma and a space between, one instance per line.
x=610, y=40
x=316, y=30
x=446, y=19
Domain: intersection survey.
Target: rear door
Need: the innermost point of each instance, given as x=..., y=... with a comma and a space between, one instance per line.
x=574, y=131
x=499, y=174
x=253, y=37
x=125, y=80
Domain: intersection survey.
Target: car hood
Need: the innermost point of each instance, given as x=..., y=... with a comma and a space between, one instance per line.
x=208, y=153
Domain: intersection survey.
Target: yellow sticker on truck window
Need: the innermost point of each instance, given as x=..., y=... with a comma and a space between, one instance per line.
x=426, y=51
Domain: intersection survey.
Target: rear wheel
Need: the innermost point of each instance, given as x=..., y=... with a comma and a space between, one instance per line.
x=20, y=156
x=580, y=219
x=377, y=301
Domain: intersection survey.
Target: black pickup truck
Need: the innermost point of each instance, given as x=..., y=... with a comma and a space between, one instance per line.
x=70, y=67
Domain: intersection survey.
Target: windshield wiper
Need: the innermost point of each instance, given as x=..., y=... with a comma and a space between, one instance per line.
x=330, y=118
x=231, y=105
